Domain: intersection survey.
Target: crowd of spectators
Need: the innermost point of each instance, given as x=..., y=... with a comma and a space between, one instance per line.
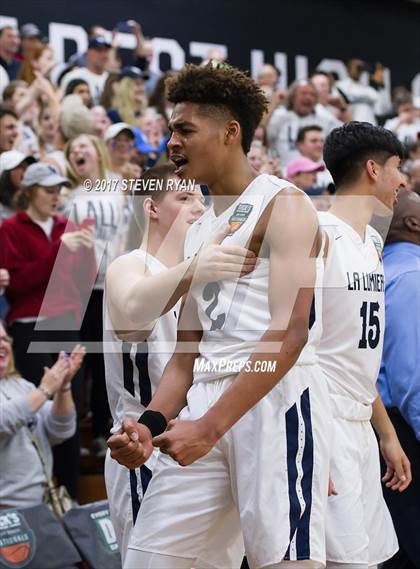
x=98, y=119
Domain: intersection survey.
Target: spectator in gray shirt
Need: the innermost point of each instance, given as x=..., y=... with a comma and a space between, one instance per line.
x=284, y=125
x=23, y=406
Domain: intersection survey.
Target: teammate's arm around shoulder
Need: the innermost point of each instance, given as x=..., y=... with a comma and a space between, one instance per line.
x=136, y=298
x=124, y=279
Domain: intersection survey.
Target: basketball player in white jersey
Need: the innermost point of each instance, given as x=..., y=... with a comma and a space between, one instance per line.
x=139, y=330
x=365, y=163
x=253, y=437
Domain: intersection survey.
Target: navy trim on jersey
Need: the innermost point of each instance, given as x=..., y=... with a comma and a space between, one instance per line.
x=145, y=385
x=128, y=371
x=141, y=360
x=292, y=434
x=302, y=537
x=145, y=477
x=312, y=314
x=135, y=501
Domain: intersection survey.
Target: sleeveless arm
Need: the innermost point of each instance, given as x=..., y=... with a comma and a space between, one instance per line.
x=136, y=298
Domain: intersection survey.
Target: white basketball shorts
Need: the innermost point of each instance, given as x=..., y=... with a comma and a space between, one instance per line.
x=272, y=468
x=125, y=489
x=359, y=525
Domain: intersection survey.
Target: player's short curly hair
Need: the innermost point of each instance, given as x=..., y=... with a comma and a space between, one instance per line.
x=348, y=147
x=223, y=88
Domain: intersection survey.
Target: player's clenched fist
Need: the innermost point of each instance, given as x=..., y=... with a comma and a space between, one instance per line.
x=185, y=441
x=131, y=446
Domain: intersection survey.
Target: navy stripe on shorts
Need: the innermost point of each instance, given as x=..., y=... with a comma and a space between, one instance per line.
x=300, y=519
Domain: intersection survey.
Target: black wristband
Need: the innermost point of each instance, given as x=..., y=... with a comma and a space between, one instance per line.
x=155, y=421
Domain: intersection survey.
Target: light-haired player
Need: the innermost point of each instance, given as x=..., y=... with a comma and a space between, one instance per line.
x=253, y=439
x=143, y=289
x=364, y=161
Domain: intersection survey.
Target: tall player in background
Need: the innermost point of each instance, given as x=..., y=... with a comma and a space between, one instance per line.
x=256, y=440
x=364, y=161
x=139, y=323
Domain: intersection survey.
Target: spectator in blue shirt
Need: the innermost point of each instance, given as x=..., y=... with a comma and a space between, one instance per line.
x=399, y=378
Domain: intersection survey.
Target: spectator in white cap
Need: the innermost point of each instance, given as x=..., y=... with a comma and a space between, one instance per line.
x=42, y=175
x=12, y=167
x=94, y=73
x=120, y=141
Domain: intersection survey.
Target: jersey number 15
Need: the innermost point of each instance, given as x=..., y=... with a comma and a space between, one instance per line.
x=372, y=321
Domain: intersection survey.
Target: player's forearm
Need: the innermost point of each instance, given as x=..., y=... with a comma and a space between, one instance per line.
x=251, y=386
x=152, y=296
x=380, y=420
x=171, y=395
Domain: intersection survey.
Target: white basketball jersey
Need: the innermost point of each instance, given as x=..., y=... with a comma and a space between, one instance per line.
x=133, y=370
x=234, y=314
x=350, y=349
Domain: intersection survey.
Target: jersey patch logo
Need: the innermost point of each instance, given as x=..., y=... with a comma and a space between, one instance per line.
x=239, y=216
x=17, y=540
x=378, y=246
x=105, y=530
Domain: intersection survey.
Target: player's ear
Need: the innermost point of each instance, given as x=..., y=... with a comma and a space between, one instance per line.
x=150, y=208
x=232, y=132
x=372, y=170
